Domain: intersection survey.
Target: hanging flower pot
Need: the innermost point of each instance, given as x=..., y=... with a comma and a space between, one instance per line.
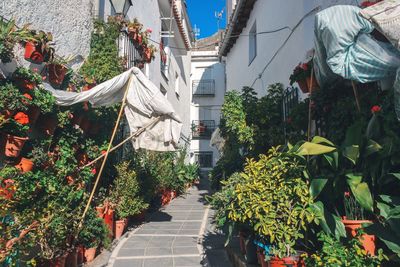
x=57, y=74
x=367, y=241
x=14, y=145
x=90, y=254
x=120, y=226
x=25, y=165
x=33, y=53
x=34, y=113
x=147, y=54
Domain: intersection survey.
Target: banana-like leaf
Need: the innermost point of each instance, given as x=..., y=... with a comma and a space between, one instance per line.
x=311, y=149
x=316, y=186
x=352, y=153
x=321, y=140
x=363, y=196
x=330, y=223
x=372, y=147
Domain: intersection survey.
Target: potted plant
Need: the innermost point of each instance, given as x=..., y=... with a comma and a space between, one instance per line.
x=11, y=100
x=273, y=198
x=40, y=48
x=93, y=233
x=302, y=75
x=57, y=70
x=125, y=196
x=16, y=130
x=334, y=253
x=26, y=79
x=10, y=35
x=24, y=165
x=7, y=182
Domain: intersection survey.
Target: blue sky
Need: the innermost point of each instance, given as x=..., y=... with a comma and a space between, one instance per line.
x=202, y=14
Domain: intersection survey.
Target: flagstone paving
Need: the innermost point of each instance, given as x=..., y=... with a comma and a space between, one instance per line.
x=179, y=235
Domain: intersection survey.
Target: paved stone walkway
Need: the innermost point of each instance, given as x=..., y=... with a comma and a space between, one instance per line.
x=180, y=234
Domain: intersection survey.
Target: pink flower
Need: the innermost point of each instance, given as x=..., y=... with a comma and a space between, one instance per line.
x=347, y=194
x=149, y=30
x=93, y=171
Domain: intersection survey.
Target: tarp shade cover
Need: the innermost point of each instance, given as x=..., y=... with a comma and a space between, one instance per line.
x=344, y=48
x=144, y=102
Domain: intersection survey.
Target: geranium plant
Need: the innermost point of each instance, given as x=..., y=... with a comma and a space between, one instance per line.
x=28, y=75
x=301, y=72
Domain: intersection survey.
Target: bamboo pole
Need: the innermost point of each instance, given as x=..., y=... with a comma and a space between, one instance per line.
x=355, y=91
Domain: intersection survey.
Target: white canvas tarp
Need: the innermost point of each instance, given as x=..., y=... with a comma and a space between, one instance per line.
x=144, y=102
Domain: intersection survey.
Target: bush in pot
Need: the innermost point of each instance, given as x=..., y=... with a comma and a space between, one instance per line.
x=274, y=199
x=16, y=133
x=125, y=196
x=39, y=48
x=333, y=253
x=26, y=79
x=11, y=100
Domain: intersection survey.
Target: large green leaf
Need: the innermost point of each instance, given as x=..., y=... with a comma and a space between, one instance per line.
x=316, y=186
x=332, y=159
x=321, y=140
x=352, y=153
x=353, y=179
x=363, y=195
x=385, y=233
x=310, y=149
x=354, y=134
x=330, y=223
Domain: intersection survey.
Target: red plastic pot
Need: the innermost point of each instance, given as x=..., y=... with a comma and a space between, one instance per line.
x=33, y=53
x=368, y=241
x=25, y=165
x=120, y=226
x=14, y=145
x=293, y=261
x=90, y=254
x=57, y=74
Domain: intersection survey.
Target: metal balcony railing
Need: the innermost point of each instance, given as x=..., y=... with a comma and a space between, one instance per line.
x=203, y=128
x=127, y=51
x=204, y=88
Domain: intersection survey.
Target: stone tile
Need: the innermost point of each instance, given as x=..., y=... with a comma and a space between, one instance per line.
x=127, y=252
x=187, y=261
x=191, y=225
x=185, y=251
x=146, y=232
x=167, y=232
x=189, y=232
x=161, y=244
x=158, y=251
x=162, y=239
x=135, y=245
x=139, y=238
x=128, y=263
x=161, y=262
x=185, y=239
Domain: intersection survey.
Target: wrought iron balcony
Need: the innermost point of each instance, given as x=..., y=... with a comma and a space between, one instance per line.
x=203, y=88
x=203, y=128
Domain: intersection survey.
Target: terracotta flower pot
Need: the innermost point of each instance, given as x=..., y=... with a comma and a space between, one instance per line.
x=57, y=74
x=100, y=211
x=367, y=241
x=288, y=261
x=120, y=226
x=58, y=262
x=109, y=219
x=72, y=258
x=34, y=113
x=14, y=145
x=90, y=254
x=25, y=165
x=33, y=53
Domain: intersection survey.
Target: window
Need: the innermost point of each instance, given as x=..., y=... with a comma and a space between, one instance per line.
x=204, y=159
x=253, y=43
x=177, y=83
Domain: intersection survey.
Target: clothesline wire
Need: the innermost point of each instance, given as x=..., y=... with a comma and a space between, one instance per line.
x=313, y=11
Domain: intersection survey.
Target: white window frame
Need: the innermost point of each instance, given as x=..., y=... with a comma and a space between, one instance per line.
x=253, y=42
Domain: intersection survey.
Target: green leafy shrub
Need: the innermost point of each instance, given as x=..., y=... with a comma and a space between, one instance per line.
x=94, y=232
x=274, y=199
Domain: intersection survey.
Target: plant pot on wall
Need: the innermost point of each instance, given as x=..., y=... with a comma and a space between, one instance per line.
x=367, y=241
x=33, y=53
x=90, y=254
x=57, y=74
x=14, y=145
x=72, y=258
x=120, y=226
x=25, y=165
x=293, y=261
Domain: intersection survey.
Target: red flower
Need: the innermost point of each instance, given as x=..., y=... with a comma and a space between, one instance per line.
x=94, y=171
x=347, y=194
x=149, y=30
x=21, y=118
x=369, y=3
x=304, y=66
x=376, y=109
x=28, y=96
x=103, y=152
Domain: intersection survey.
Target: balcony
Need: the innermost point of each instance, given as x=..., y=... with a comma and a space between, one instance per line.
x=204, y=88
x=203, y=129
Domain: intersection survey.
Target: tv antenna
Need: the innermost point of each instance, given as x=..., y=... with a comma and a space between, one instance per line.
x=218, y=16
x=196, y=31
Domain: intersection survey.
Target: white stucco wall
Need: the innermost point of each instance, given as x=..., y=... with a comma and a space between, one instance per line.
x=271, y=15
x=70, y=21
x=201, y=60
